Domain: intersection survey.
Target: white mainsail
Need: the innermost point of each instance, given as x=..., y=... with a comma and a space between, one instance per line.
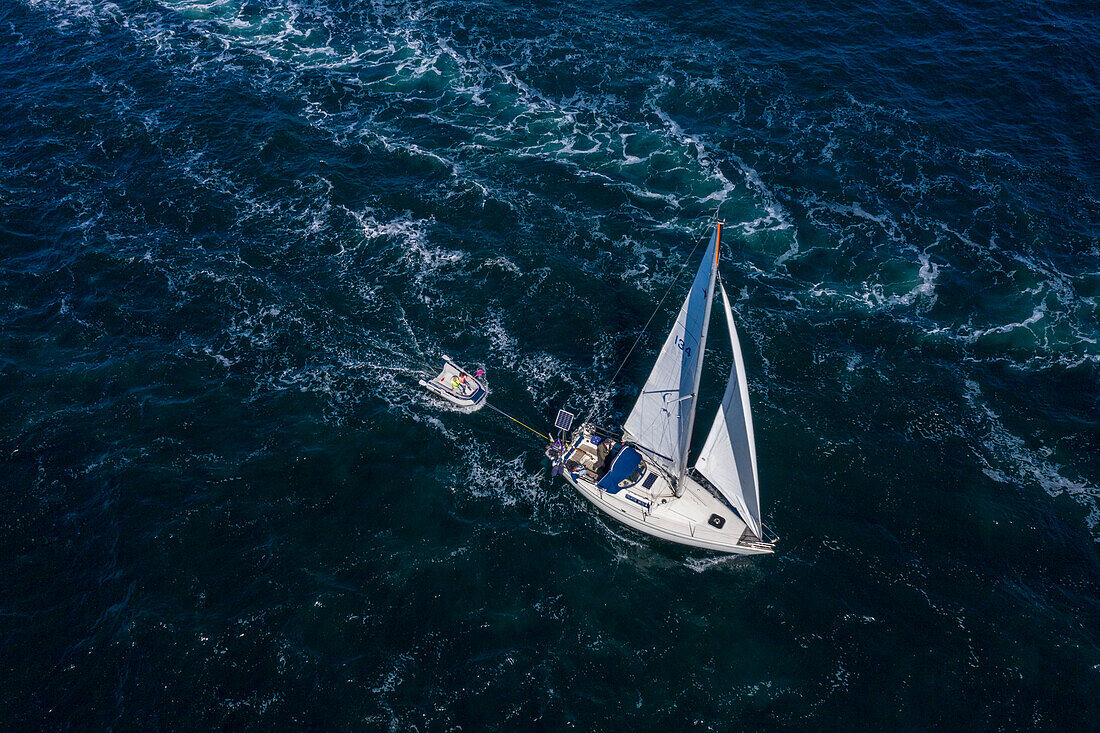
x=728, y=459
x=662, y=416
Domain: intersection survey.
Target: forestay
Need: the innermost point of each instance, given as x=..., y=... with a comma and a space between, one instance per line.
x=661, y=419
x=728, y=459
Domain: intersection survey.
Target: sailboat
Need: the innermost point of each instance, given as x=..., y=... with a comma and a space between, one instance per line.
x=643, y=477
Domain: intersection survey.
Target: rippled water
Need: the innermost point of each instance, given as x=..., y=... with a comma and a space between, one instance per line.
x=236, y=233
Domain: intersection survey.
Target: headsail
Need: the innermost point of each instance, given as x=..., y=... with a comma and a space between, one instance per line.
x=661, y=419
x=728, y=459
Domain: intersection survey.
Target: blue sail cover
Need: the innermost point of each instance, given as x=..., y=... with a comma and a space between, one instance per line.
x=625, y=464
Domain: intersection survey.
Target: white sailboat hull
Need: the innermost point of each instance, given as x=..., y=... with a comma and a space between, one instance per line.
x=642, y=480
x=682, y=519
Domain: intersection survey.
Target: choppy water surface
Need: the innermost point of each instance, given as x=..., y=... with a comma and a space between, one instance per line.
x=234, y=234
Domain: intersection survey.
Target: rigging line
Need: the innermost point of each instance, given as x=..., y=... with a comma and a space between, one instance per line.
x=675, y=280
x=505, y=414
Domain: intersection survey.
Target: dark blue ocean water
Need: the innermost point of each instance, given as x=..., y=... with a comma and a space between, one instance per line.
x=233, y=234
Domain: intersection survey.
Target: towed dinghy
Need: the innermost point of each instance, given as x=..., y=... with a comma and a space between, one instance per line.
x=457, y=386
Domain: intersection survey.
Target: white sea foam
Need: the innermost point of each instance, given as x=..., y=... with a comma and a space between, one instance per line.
x=775, y=216
x=502, y=263
x=295, y=39
x=1006, y=458
x=703, y=564
x=503, y=480
x=502, y=342
x=973, y=334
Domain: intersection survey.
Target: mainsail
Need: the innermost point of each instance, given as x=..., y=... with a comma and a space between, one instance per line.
x=662, y=416
x=728, y=459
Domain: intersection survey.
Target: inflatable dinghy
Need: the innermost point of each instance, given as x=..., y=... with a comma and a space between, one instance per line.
x=457, y=386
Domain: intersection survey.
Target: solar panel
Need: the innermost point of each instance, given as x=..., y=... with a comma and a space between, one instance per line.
x=564, y=420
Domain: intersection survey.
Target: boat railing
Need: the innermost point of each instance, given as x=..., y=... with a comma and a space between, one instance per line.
x=748, y=539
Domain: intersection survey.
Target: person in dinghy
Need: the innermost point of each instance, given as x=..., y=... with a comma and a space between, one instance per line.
x=454, y=384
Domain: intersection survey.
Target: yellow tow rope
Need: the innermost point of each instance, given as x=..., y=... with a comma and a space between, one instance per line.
x=502, y=412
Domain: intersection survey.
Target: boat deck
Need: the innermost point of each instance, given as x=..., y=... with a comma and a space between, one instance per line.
x=645, y=501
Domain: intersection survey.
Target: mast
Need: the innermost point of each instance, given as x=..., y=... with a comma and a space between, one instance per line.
x=699, y=372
